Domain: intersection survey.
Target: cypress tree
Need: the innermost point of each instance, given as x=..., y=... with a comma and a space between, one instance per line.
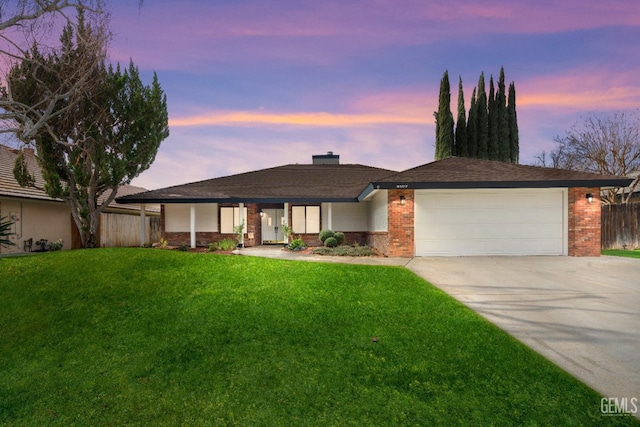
x=482, y=120
x=493, y=148
x=514, y=143
x=444, y=121
x=461, y=125
x=472, y=127
x=503, y=120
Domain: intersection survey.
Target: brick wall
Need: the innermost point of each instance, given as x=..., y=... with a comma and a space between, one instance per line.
x=379, y=240
x=584, y=222
x=401, y=224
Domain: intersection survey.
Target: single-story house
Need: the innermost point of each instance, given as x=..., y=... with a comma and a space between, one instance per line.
x=452, y=207
x=37, y=217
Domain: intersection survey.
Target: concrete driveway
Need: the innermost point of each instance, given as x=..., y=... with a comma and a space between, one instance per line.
x=581, y=313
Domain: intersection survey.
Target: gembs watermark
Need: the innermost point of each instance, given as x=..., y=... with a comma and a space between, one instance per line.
x=619, y=406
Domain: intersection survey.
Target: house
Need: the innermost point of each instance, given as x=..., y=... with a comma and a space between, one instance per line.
x=38, y=217
x=452, y=207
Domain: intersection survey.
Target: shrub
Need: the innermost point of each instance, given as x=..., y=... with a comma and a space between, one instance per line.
x=340, y=238
x=346, y=251
x=55, y=246
x=296, y=244
x=183, y=247
x=331, y=242
x=324, y=235
x=227, y=244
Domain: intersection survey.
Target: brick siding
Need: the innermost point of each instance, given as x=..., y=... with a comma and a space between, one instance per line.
x=584, y=222
x=401, y=223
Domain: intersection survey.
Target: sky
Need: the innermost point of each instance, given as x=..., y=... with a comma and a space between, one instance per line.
x=254, y=84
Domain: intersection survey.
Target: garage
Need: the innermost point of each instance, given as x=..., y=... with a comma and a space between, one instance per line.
x=468, y=222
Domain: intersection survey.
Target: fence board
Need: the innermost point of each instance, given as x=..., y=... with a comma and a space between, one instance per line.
x=621, y=226
x=118, y=230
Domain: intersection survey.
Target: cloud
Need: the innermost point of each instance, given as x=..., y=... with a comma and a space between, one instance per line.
x=328, y=31
x=317, y=119
x=582, y=90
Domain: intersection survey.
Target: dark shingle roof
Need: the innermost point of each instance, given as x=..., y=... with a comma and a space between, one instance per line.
x=335, y=183
x=461, y=172
x=289, y=183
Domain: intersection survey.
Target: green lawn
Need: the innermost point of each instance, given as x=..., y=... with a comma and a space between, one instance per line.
x=154, y=337
x=620, y=252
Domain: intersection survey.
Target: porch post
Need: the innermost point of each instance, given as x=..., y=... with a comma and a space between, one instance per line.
x=329, y=216
x=192, y=224
x=241, y=221
x=143, y=228
x=286, y=219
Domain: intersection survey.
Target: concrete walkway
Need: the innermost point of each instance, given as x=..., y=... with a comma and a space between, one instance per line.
x=581, y=313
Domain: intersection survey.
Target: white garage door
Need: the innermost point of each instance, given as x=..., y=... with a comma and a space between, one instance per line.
x=490, y=222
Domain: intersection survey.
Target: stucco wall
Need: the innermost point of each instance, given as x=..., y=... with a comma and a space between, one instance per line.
x=37, y=220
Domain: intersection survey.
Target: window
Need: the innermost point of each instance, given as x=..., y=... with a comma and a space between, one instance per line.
x=305, y=219
x=230, y=218
x=177, y=217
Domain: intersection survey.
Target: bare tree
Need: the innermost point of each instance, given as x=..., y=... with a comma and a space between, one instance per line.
x=25, y=26
x=602, y=143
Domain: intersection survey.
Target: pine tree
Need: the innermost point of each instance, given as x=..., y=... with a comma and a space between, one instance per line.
x=482, y=120
x=461, y=148
x=503, y=120
x=472, y=127
x=514, y=143
x=444, y=121
x=493, y=148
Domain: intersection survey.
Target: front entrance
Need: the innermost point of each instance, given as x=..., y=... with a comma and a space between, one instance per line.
x=272, y=221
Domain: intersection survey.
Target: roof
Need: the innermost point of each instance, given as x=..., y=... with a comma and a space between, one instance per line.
x=288, y=183
x=314, y=183
x=461, y=172
x=9, y=187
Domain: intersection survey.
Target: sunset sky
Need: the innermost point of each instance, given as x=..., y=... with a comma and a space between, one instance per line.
x=256, y=84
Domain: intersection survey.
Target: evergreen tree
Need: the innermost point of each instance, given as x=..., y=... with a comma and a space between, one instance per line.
x=482, y=120
x=472, y=127
x=503, y=120
x=514, y=143
x=461, y=148
x=109, y=138
x=444, y=121
x=493, y=148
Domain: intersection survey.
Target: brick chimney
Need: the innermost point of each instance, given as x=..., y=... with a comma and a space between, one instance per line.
x=326, y=159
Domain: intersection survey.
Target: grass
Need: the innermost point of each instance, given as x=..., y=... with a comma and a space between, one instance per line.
x=151, y=337
x=623, y=253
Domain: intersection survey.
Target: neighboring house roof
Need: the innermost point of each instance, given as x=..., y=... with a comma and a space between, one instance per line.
x=335, y=183
x=9, y=187
x=461, y=172
x=289, y=183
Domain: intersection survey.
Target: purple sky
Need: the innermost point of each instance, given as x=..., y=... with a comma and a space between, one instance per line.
x=255, y=84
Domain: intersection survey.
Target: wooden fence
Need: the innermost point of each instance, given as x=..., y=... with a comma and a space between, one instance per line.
x=621, y=226
x=117, y=230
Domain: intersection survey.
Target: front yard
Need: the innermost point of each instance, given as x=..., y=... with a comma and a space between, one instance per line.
x=623, y=253
x=153, y=337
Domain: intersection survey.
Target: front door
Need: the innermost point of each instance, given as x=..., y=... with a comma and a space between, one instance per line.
x=272, y=220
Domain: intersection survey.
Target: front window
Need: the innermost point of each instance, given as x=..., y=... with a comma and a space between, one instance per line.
x=305, y=219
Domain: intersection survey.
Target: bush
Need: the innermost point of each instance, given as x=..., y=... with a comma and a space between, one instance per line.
x=324, y=235
x=340, y=238
x=331, y=242
x=55, y=246
x=346, y=251
x=227, y=244
x=296, y=244
x=183, y=247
